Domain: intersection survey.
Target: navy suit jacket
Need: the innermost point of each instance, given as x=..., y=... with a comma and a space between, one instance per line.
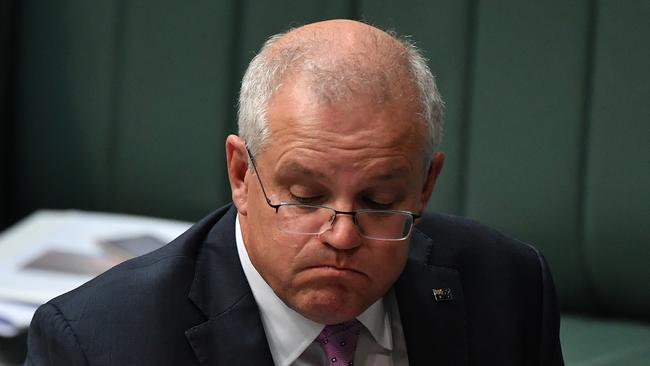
x=189, y=304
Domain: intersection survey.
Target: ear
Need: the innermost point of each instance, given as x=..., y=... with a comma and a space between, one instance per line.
x=237, y=161
x=432, y=175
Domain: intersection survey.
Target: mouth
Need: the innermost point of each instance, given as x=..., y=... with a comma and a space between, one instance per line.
x=334, y=270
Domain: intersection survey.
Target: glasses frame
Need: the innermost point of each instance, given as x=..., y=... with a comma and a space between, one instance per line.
x=336, y=212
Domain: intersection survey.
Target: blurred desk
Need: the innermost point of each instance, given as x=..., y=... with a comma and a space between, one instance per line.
x=51, y=252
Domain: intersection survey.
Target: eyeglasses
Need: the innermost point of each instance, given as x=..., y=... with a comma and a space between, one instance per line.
x=298, y=218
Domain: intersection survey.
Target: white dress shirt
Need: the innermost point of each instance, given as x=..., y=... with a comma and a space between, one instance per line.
x=291, y=336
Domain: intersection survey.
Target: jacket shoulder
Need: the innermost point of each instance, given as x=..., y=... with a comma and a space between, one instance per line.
x=140, y=304
x=167, y=266
x=465, y=242
x=510, y=305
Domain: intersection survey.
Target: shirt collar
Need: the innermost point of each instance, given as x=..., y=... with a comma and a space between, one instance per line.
x=290, y=333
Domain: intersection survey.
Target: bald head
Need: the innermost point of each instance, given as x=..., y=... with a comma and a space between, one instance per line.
x=340, y=36
x=340, y=40
x=338, y=59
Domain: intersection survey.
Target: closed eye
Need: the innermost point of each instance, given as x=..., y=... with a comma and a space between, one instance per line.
x=309, y=200
x=372, y=204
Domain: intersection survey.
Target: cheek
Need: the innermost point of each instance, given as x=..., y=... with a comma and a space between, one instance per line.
x=386, y=264
x=273, y=255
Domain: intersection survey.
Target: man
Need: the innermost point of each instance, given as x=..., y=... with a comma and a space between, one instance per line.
x=317, y=261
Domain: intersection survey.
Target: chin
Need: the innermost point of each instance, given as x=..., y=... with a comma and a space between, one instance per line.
x=330, y=305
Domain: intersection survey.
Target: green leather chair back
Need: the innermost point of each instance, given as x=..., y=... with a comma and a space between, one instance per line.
x=616, y=203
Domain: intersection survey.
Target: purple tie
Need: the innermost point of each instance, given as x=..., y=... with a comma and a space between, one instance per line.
x=339, y=342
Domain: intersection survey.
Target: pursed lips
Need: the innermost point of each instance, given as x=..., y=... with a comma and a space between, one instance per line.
x=335, y=269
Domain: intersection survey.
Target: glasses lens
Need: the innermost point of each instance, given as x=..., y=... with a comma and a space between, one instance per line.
x=372, y=224
x=386, y=225
x=303, y=219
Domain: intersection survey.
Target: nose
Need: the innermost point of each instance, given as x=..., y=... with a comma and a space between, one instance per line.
x=342, y=233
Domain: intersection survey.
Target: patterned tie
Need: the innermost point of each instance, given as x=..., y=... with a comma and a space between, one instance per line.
x=340, y=341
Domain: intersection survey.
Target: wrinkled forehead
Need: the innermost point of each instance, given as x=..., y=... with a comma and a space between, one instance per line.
x=374, y=104
x=345, y=85
x=356, y=125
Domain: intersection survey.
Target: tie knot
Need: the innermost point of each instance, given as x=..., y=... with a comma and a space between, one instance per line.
x=340, y=341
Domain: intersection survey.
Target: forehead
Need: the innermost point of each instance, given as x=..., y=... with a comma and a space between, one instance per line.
x=298, y=117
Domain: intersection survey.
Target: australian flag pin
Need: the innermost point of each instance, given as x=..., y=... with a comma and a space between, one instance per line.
x=442, y=294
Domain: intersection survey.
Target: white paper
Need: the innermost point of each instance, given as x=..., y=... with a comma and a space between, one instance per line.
x=75, y=232
x=14, y=317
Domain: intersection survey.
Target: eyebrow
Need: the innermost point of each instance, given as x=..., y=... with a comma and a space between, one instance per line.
x=295, y=168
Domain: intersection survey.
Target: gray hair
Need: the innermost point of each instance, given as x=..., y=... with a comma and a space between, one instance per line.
x=266, y=71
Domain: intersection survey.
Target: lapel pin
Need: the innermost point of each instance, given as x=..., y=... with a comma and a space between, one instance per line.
x=442, y=294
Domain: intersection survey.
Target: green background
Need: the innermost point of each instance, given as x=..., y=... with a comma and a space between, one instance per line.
x=124, y=106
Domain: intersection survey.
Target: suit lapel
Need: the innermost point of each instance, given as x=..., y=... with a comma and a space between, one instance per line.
x=435, y=330
x=234, y=338
x=233, y=333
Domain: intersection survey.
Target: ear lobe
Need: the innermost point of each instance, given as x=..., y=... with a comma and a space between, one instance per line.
x=432, y=175
x=237, y=162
